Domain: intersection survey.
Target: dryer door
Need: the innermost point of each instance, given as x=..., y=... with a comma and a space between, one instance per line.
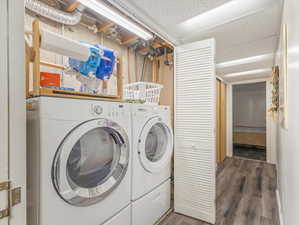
x=155, y=145
x=90, y=162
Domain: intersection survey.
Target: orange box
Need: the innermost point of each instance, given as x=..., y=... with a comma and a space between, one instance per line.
x=49, y=79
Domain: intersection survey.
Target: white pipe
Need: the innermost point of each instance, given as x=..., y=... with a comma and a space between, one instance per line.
x=59, y=44
x=52, y=13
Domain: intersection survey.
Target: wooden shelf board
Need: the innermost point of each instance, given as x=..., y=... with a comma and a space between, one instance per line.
x=76, y=94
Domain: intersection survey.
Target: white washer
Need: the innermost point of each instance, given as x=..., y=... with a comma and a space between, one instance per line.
x=152, y=140
x=78, y=162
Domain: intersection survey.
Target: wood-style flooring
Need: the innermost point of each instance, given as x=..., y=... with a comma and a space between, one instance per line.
x=245, y=195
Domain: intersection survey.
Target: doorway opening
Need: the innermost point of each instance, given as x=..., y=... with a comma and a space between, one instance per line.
x=249, y=121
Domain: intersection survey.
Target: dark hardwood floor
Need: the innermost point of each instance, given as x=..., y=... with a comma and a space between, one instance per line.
x=245, y=195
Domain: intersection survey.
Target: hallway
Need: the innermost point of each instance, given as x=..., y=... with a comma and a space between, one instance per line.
x=246, y=195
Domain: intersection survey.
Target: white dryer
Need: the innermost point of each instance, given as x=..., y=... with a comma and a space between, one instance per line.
x=152, y=139
x=78, y=162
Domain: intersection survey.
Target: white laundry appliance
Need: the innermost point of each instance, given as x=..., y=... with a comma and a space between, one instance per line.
x=78, y=162
x=152, y=139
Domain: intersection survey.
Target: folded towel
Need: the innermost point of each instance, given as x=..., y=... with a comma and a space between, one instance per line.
x=106, y=67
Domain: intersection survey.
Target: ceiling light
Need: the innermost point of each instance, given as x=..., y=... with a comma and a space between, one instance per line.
x=250, y=72
x=226, y=13
x=237, y=62
x=110, y=14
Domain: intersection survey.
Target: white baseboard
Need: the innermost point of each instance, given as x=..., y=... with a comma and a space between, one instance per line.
x=279, y=207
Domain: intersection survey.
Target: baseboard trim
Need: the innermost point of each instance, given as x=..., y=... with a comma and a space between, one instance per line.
x=279, y=207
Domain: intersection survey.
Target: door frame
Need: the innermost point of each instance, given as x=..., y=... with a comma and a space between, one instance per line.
x=270, y=125
x=4, y=176
x=221, y=128
x=12, y=107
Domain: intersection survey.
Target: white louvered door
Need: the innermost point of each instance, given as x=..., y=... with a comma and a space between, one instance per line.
x=195, y=125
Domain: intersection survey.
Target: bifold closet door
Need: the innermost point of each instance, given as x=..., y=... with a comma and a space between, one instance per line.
x=195, y=131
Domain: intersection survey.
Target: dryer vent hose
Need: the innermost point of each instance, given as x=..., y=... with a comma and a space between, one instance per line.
x=52, y=13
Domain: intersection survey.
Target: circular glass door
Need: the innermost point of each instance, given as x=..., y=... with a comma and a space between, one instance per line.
x=155, y=145
x=90, y=162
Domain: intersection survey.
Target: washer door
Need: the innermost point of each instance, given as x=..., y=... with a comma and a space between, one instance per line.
x=90, y=162
x=155, y=145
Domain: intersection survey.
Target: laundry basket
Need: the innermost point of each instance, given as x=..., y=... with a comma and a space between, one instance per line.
x=143, y=91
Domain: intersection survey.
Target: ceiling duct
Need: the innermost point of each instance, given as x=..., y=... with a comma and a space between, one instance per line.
x=113, y=33
x=53, y=13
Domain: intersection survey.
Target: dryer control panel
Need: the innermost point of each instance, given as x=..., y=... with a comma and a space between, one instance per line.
x=113, y=111
x=117, y=111
x=97, y=109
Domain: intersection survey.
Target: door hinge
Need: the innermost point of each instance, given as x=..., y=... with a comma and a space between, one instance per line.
x=5, y=186
x=13, y=198
x=4, y=213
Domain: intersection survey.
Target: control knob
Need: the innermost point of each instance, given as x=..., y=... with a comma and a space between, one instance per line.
x=98, y=110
